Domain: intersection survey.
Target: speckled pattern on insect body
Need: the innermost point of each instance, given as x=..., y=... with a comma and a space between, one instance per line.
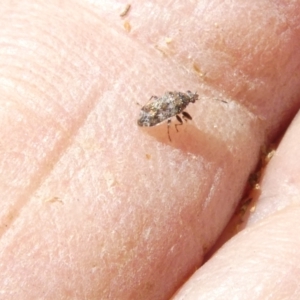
x=171, y=104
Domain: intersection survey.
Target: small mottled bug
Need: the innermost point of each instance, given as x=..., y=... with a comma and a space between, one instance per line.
x=171, y=104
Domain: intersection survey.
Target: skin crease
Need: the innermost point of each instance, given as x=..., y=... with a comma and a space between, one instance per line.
x=94, y=207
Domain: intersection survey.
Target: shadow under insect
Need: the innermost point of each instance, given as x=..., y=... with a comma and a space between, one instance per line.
x=188, y=138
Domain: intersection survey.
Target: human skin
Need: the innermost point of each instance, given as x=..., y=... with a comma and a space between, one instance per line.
x=262, y=261
x=93, y=207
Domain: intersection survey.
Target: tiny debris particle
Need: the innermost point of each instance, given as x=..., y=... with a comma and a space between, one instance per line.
x=125, y=10
x=267, y=152
x=256, y=186
x=53, y=200
x=252, y=209
x=168, y=40
x=269, y=156
x=127, y=26
x=148, y=156
x=161, y=50
x=159, y=109
x=198, y=70
x=254, y=179
x=110, y=179
x=245, y=206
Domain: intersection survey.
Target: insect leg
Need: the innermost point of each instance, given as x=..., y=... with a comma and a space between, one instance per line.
x=180, y=122
x=186, y=116
x=169, y=122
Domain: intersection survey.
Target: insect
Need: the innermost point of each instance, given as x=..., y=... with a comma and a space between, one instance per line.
x=171, y=104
